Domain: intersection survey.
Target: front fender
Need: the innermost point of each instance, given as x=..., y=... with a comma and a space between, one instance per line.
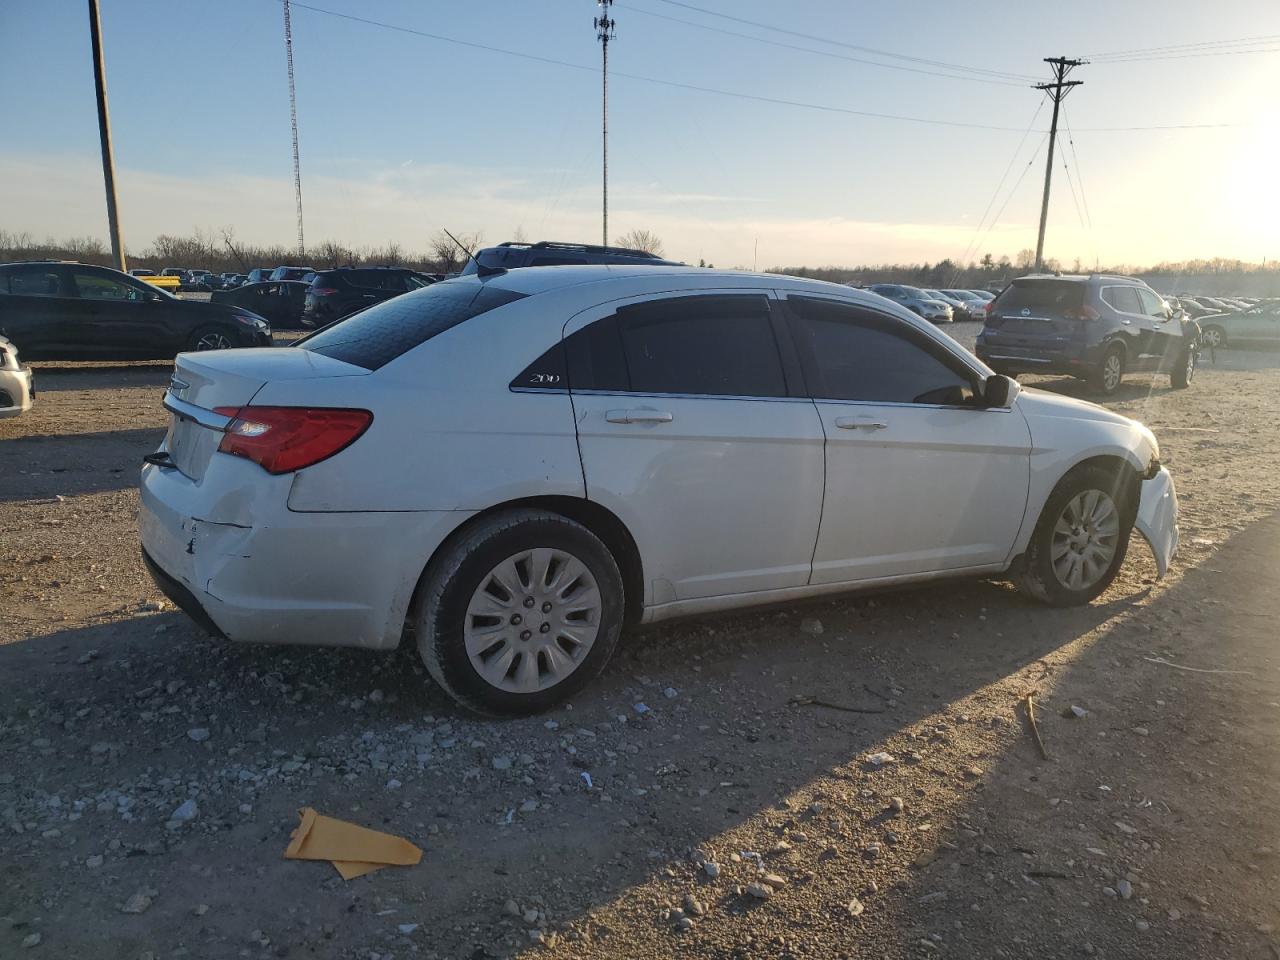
x=1157, y=519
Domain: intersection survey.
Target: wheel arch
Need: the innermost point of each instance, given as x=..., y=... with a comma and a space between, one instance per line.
x=601, y=521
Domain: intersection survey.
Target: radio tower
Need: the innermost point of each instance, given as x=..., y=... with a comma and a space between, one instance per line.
x=293, y=120
x=604, y=25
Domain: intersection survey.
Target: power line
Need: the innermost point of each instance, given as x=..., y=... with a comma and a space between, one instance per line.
x=778, y=101
x=1188, y=56
x=1071, y=142
x=1265, y=38
x=823, y=53
x=1013, y=190
x=850, y=46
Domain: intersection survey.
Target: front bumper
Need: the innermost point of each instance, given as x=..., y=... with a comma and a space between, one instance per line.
x=1157, y=519
x=272, y=575
x=17, y=391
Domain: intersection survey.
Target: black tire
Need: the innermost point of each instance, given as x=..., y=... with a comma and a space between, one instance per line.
x=459, y=570
x=1213, y=337
x=211, y=338
x=1036, y=575
x=1184, y=369
x=1106, y=379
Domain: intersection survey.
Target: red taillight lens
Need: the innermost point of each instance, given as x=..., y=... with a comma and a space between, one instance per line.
x=1081, y=313
x=284, y=439
x=322, y=291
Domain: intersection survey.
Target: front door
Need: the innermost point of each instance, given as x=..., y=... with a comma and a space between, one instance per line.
x=691, y=432
x=117, y=318
x=1164, y=341
x=920, y=476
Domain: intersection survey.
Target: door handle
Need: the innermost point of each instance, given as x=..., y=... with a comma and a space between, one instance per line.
x=860, y=423
x=638, y=416
x=1126, y=322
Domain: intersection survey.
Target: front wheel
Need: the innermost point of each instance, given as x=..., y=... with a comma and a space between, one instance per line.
x=1081, y=538
x=211, y=338
x=1184, y=368
x=519, y=613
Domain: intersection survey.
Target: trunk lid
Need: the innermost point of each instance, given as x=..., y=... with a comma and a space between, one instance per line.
x=1036, y=309
x=204, y=381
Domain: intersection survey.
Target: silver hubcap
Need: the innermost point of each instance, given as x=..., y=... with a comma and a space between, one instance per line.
x=1191, y=365
x=1111, y=372
x=213, y=341
x=1212, y=337
x=532, y=621
x=1085, y=539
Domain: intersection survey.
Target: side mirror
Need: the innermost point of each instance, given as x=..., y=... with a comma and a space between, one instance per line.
x=1000, y=391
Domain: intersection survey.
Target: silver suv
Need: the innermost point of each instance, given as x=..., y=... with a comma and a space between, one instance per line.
x=915, y=300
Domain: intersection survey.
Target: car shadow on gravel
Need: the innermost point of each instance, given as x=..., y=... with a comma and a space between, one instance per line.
x=691, y=736
x=41, y=467
x=55, y=377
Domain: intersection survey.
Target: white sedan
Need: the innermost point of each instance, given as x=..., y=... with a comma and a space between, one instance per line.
x=511, y=466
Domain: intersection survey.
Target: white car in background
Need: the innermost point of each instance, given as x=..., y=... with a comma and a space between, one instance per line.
x=515, y=464
x=17, y=389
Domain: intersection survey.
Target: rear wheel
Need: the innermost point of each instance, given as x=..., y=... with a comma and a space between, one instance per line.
x=1214, y=337
x=1081, y=538
x=1110, y=372
x=519, y=613
x=211, y=338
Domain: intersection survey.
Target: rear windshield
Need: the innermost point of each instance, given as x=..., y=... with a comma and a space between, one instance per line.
x=1049, y=295
x=376, y=336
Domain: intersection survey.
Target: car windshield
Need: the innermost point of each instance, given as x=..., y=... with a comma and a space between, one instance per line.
x=1042, y=295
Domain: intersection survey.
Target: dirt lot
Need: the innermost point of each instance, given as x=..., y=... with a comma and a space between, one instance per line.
x=591, y=832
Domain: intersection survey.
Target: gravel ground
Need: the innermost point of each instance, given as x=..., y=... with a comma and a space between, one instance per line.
x=684, y=805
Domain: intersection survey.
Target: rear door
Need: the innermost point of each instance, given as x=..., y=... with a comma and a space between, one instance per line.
x=39, y=310
x=692, y=433
x=920, y=477
x=1134, y=327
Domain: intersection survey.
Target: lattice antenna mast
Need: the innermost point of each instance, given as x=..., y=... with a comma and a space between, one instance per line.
x=604, y=25
x=293, y=122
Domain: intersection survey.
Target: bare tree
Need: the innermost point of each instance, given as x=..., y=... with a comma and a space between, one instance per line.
x=645, y=241
x=520, y=236
x=448, y=256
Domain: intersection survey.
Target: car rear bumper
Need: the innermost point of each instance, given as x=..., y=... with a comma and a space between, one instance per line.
x=326, y=579
x=1157, y=518
x=1057, y=356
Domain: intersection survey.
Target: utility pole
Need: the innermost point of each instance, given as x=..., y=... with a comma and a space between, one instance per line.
x=104, y=133
x=604, y=25
x=293, y=120
x=1058, y=89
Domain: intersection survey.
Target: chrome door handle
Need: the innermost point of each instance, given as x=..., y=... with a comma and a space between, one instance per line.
x=1126, y=322
x=860, y=423
x=638, y=416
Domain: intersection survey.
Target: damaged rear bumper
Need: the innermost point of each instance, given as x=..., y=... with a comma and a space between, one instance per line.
x=1157, y=519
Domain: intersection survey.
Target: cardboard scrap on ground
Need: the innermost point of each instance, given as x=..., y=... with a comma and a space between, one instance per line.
x=354, y=851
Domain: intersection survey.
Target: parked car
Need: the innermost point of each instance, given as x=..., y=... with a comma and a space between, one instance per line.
x=550, y=253
x=279, y=302
x=986, y=295
x=514, y=466
x=53, y=310
x=179, y=272
x=915, y=300
x=292, y=273
x=258, y=275
x=974, y=305
x=1095, y=327
x=17, y=384
x=335, y=293
x=959, y=307
x=1258, y=326
x=141, y=272
x=1192, y=309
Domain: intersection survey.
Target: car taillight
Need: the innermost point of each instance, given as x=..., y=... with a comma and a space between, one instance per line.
x=284, y=439
x=323, y=291
x=1081, y=313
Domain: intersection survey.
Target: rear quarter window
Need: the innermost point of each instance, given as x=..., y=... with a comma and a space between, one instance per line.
x=376, y=336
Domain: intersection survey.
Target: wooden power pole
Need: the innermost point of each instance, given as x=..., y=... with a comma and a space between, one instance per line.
x=1058, y=89
x=104, y=134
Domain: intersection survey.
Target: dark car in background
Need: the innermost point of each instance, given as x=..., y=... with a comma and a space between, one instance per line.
x=550, y=253
x=334, y=294
x=258, y=275
x=1095, y=327
x=291, y=273
x=279, y=302
x=54, y=310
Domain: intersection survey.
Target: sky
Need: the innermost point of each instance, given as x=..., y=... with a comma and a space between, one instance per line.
x=402, y=134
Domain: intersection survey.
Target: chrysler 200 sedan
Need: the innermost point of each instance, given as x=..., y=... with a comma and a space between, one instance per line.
x=509, y=467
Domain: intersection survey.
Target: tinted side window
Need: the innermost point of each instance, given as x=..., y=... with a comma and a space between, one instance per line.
x=32, y=281
x=94, y=286
x=713, y=345
x=1152, y=305
x=854, y=354
x=376, y=336
x=1124, y=299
